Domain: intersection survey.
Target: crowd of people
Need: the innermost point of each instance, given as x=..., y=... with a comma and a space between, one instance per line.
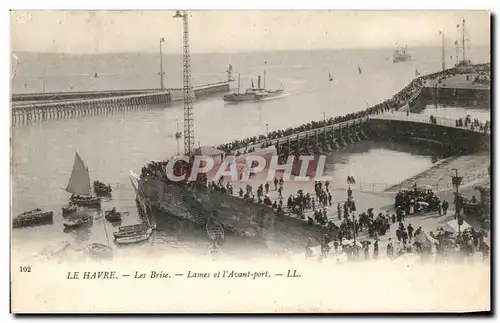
x=468, y=122
x=415, y=200
x=437, y=245
x=395, y=103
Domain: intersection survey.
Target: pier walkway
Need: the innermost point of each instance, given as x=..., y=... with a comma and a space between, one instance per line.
x=393, y=116
x=424, y=118
x=41, y=107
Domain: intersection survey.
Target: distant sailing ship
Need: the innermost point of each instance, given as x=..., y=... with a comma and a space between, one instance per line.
x=401, y=54
x=330, y=76
x=79, y=185
x=95, y=75
x=252, y=94
x=417, y=73
x=359, y=70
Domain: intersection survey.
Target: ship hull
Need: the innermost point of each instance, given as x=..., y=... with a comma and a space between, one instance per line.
x=251, y=97
x=237, y=216
x=400, y=59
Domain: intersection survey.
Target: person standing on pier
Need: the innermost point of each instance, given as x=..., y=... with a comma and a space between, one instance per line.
x=329, y=198
x=280, y=190
x=275, y=184
x=410, y=231
x=339, y=211
x=390, y=249
x=267, y=188
x=375, y=249
x=445, y=207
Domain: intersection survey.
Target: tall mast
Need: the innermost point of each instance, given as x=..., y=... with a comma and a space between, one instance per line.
x=463, y=40
x=264, y=83
x=162, y=40
x=188, y=87
x=443, y=54
x=238, y=83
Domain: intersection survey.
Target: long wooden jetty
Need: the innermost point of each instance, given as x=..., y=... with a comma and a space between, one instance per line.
x=44, y=106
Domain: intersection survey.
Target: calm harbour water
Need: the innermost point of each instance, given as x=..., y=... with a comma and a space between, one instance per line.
x=111, y=145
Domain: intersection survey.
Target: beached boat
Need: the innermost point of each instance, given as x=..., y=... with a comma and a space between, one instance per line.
x=79, y=185
x=132, y=234
x=215, y=230
x=33, y=217
x=78, y=223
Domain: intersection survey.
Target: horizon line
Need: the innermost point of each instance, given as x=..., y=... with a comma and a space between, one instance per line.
x=229, y=53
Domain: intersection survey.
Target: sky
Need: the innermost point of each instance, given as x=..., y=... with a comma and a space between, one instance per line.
x=100, y=32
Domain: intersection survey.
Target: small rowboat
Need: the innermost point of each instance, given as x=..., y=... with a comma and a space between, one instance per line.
x=79, y=222
x=33, y=217
x=101, y=189
x=69, y=208
x=140, y=233
x=113, y=216
x=215, y=231
x=125, y=230
x=134, y=237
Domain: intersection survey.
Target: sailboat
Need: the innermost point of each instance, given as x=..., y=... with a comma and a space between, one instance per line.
x=417, y=73
x=330, y=77
x=359, y=70
x=95, y=75
x=79, y=185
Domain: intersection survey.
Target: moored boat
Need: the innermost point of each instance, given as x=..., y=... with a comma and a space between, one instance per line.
x=79, y=185
x=101, y=189
x=69, y=208
x=132, y=234
x=215, y=230
x=78, y=223
x=33, y=217
x=113, y=215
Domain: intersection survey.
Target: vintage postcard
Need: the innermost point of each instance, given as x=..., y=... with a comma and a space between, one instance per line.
x=250, y=161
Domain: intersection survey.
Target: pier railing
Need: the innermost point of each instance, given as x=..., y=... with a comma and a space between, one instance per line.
x=304, y=134
x=89, y=101
x=424, y=118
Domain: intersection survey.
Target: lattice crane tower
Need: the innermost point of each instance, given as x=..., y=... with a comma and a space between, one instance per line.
x=187, y=87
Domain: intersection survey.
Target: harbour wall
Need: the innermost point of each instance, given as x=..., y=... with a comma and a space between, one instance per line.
x=455, y=90
x=39, y=107
x=454, y=139
x=176, y=93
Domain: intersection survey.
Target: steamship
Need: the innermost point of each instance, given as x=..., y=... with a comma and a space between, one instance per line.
x=251, y=94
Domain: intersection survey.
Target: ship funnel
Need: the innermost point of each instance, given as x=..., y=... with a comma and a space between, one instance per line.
x=258, y=82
